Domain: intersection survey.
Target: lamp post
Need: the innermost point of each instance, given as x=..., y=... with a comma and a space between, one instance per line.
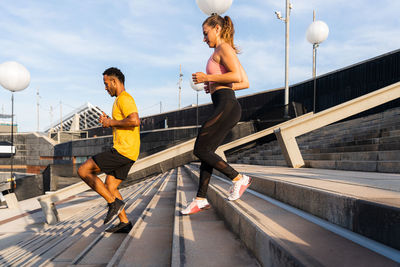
x=211, y=7
x=316, y=33
x=197, y=87
x=287, y=23
x=13, y=77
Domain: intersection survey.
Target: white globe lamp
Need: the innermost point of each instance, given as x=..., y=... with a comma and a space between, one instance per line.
x=197, y=87
x=211, y=7
x=316, y=33
x=13, y=77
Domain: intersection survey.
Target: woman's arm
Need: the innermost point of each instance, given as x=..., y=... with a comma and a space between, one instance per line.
x=244, y=84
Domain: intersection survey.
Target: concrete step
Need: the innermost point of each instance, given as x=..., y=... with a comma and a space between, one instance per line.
x=264, y=162
x=53, y=240
x=279, y=235
x=102, y=249
x=73, y=250
x=348, y=165
x=28, y=246
x=368, y=156
x=348, y=198
x=388, y=166
x=391, y=133
x=203, y=239
x=84, y=245
x=150, y=241
x=385, y=166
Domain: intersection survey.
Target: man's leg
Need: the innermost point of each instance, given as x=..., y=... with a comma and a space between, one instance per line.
x=88, y=172
x=112, y=184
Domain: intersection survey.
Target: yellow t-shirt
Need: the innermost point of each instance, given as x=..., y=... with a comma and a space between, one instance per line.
x=126, y=139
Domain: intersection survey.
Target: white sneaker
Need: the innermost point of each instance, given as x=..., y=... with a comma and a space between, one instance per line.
x=196, y=206
x=239, y=187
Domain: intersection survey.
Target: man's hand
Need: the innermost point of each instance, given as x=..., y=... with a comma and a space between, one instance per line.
x=105, y=120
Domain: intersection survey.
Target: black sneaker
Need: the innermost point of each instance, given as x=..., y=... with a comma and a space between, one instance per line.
x=114, y=209
x=120, y=228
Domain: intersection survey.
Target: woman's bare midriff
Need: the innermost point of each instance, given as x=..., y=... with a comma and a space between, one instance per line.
x=217, y=86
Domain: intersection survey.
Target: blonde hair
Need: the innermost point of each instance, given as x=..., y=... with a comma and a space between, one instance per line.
x=227, y=32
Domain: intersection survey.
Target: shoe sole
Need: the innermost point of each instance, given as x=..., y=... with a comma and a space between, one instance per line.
x=120, y=230
x=115, y=216
x=200, y=210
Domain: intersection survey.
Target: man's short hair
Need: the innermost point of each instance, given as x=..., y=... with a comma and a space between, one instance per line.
x=115, y=72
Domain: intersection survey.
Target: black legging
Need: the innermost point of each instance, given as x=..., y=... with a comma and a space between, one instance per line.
x=226, y=115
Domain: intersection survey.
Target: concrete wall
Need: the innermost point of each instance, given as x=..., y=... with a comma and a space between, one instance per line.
x=33, y=153
x=27, y=185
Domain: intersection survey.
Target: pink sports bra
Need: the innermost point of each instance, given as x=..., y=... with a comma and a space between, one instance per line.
x=213, y=67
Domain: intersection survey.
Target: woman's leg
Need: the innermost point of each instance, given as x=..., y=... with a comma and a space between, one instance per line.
x=211, y=135
x=205, y=175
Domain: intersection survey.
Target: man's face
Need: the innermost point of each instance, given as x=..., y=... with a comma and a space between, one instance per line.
x=109, y=83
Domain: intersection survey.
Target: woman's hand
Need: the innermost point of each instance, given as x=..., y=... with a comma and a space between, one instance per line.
x=199, y=77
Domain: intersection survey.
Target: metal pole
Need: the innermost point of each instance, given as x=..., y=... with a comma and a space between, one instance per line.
x=314, y=70
x=61, y=120
x=180, y=85
x=315, y=74
x=287, y=21
x=37, y=106
x=12, y=142
x=197, y=112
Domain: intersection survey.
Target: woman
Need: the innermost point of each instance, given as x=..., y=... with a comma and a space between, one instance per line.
x=224, y=75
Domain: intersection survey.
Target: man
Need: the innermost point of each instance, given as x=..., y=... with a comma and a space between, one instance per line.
x=116, y=162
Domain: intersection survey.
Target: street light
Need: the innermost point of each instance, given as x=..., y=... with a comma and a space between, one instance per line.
x=197, y=87
x=286, y=20
x=316, y=33
x=211, y=7
x=13, y=77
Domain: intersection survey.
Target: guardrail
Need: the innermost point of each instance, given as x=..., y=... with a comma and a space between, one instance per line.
x=286, y=133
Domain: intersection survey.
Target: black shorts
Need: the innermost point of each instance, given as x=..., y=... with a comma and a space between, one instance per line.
x=113, y=163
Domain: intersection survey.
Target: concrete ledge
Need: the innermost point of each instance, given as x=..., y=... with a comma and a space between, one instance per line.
x=338, y=204
x=279, y=238
x=12, y=202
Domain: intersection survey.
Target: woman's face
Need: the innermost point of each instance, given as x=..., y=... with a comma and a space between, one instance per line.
x=211, y=35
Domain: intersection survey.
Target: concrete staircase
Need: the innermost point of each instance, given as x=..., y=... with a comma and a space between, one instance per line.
x=371, y=143
x=290, y=217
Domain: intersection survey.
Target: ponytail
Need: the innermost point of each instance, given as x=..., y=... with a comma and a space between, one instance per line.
x=228, y=30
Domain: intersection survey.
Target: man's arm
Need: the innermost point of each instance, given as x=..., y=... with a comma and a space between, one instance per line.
x=132, y=120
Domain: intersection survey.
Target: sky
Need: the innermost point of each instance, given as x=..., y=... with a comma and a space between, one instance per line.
x=66, y=46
